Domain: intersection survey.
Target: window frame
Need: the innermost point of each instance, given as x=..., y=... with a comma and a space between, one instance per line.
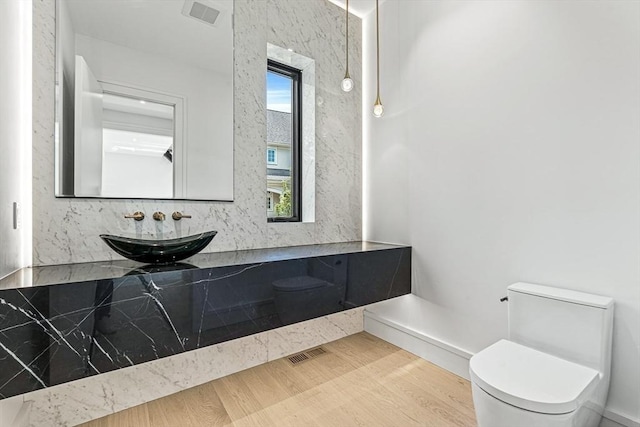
x=296, y=138
x=269, y=202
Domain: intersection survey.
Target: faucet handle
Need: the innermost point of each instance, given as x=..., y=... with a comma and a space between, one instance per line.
x=159, y=216
x=177, y=216
x=138, y=216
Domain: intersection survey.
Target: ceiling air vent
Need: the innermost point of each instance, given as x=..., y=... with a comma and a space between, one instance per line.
x=200, y=11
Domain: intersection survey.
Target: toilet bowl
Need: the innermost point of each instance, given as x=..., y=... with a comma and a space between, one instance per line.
x=553, y=371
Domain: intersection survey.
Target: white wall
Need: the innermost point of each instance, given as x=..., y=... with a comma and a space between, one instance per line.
x=134, y=174
x=15, y=141
x=510, y=150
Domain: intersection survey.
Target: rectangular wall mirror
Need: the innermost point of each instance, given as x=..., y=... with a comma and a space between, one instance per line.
x=144, y=99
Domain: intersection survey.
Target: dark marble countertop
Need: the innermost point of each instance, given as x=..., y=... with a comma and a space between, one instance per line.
x=90, y=271
x=98, y=317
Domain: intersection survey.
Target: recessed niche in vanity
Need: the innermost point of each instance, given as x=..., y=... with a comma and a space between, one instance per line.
x=67, y=322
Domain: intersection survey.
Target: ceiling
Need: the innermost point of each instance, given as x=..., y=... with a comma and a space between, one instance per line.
x=360, y=8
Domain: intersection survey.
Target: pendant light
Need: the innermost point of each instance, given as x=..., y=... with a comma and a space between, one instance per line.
x=347, y=83
x=378, y=109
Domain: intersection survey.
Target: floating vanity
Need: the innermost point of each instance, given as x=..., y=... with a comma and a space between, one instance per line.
x=67, y=322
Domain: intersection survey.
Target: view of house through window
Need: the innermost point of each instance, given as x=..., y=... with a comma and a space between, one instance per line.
x=283, y=136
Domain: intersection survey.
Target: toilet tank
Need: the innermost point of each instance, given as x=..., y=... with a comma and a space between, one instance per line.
x=575, y=326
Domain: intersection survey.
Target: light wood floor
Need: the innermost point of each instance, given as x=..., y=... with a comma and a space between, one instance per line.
x=362, y=381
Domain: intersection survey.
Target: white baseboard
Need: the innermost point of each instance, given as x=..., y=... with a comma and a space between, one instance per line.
x=615, y=419
x=441, y=354
x=427, y=330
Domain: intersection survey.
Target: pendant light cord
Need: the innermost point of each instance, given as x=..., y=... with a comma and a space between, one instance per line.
x=347, y=47
x=377, y=53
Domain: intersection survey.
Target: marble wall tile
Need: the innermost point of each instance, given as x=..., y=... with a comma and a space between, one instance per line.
x=9, y=409
x=312, y=333
x=66, y=230
x=79, y=401
x=94, y=397
x=317, y=31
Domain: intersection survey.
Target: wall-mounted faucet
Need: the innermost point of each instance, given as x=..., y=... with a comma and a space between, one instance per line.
x=138, y=216
x=159, y=216
x=177, y=216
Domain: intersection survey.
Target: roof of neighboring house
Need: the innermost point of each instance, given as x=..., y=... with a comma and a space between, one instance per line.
x=278, y=127
x=278, y=172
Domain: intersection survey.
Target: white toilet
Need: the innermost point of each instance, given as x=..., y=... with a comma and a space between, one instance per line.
x=554, y=369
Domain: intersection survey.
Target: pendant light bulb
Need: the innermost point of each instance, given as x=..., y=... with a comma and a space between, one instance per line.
x=347, y=84
x=378, y=109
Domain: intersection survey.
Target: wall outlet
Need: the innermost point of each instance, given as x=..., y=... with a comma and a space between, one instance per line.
x=17, y=216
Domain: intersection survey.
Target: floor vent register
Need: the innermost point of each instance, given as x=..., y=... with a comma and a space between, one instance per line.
x=298, y=358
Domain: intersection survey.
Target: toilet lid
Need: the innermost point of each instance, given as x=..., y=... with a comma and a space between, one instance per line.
x=298, y=283
x=530, y=379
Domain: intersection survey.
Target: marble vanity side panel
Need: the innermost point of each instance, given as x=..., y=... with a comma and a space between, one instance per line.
x=9, y=409
x=94, y=397
x=66, y=230
x=316, y=29
x=312, y=333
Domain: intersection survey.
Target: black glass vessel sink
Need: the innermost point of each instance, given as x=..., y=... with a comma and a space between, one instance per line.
x=159, y=251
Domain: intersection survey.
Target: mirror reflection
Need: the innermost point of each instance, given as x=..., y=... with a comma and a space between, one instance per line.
x=132, y=148
x=145, y=99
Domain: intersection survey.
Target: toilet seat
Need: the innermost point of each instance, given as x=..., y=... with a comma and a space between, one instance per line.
x=532, y=380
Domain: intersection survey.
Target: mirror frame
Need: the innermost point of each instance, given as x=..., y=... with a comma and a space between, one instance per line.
x=59, y=117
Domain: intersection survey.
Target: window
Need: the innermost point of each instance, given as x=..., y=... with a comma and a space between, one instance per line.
x=284, y=108
x=272, y=158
